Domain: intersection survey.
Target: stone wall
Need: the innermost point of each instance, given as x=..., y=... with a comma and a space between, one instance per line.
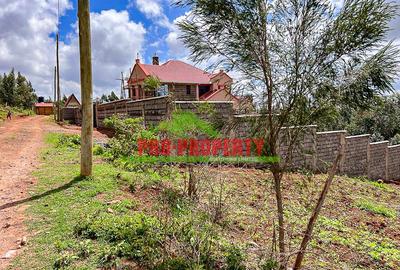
x=393, y=164
x=303, y=153
x=179, y=92
x=156, y=109
x=356, y=155
x=378, y=155
x=328, y=145
x=318, y=150
x=213, y=111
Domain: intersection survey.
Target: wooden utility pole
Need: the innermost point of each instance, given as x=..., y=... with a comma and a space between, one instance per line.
x=55, y=94
x=86, y=87
x=58, y=83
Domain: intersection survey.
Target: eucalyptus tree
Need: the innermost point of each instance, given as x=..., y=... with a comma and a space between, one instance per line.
x=307, y=56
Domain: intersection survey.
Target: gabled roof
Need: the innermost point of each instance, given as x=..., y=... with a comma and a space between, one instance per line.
x=70, y=98
x=175, y=71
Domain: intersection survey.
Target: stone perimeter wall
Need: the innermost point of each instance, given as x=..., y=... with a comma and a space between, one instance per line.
x=315, y=150
x=156, y=109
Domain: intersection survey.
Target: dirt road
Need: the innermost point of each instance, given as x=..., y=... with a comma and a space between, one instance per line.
x=20, y=142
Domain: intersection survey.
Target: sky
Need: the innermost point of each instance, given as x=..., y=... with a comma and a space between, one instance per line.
x=120, y=30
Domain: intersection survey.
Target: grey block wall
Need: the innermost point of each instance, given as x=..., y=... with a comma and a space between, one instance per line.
x=378, y=158
x=156, y=109
x=393, y=163
x=303, y=154
x=328, y=146
x=356, y=155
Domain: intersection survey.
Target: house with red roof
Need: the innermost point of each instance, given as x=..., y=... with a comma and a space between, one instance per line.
x=43, y=108
x=182, y=81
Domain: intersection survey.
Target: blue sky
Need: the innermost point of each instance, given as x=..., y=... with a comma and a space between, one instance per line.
x=120, y=29
x=156, y=34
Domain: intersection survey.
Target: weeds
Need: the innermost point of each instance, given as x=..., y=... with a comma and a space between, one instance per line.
x=376, y=208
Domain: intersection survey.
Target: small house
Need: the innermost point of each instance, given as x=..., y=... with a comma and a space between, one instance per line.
x=43, y=108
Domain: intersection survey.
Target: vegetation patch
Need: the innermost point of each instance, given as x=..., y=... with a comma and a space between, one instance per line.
x=376, y=208
x=143, y=218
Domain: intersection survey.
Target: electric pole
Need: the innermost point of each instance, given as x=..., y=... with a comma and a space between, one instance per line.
x=55, y=94
x=58, y=64
x=86, y=87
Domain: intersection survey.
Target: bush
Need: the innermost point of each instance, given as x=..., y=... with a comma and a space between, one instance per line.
x=98, y=150
x=135, y=236
x=68, y=140
x=186, y=125
x=127, y=132
x=234, y=259
x=395, y=140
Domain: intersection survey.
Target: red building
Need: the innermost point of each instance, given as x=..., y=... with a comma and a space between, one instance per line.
x=183, y=81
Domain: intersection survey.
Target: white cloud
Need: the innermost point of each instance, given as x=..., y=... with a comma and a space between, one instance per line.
x=26, y=44
x=115, y=42
x=151, y=8
x=176, y=48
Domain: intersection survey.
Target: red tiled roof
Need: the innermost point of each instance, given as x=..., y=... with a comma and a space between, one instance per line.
x=209, y=94
x=44, y=104
x=175, y=71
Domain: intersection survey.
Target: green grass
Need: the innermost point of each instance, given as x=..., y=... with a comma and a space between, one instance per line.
x=143, y=215
x=61, y=200
x=376, y=208
x=15, y=112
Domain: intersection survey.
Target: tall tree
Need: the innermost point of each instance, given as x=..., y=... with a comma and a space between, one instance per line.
x=8, y=89
x=303, y=55
x=112, y=96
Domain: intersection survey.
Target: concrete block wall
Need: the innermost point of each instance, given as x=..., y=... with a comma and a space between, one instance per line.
x=208, y=110
x=356, y=153
x=303, y=154
x=393, y=164
x=378, y=158
x=157, y=109
x=318, y=150
x=328, y=145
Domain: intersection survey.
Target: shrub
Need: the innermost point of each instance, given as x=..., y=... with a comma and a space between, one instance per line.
x=186, y=125
x=234, y=259
x=269, y=264
x=68, y=140
x=127, y=132
x=137, y=236
x=98, y=150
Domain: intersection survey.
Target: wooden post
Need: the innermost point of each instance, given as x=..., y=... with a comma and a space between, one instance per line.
x=58, y=83
x=55, y=94
x=86, y=87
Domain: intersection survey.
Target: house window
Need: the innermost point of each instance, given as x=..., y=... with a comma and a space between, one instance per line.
x=187, y=89
x=162, y=91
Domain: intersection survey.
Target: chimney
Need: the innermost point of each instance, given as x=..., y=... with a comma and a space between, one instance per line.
x=137, y=58
x=156, y=60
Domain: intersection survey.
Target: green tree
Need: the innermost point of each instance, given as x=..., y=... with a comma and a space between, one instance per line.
x=8, y=89
x=113, y=96
x=16, y=90
x=25, y=94
x=300, y=58
x=104, y=98
x=151, y=83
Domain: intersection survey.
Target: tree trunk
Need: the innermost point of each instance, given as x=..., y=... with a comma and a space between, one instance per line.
x=316, y=211
x=192, y=185
x=86, y=87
